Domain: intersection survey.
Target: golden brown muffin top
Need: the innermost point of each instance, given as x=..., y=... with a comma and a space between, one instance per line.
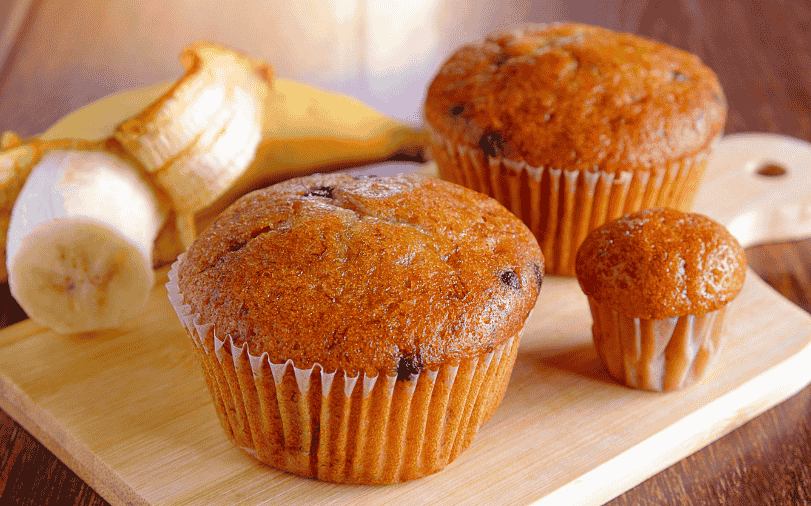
x=389, y=274
x=659, y=263
x=577, y=97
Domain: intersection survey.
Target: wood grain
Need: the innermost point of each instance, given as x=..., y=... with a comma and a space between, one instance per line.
x=14, y=15
x=744, y=467
x=128, y=409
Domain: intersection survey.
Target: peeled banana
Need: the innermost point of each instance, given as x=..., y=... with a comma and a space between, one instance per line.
x=124, y=184
x=77, y=259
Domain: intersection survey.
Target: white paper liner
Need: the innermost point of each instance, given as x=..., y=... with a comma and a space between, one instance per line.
x=345, y=429
x=561, y=206
x=657, y=355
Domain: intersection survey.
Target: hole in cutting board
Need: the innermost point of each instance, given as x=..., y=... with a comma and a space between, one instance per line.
x=771, y=169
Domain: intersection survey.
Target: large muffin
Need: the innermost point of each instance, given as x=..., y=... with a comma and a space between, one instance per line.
x=358, y=329
x=658, y=282
x=572, y=125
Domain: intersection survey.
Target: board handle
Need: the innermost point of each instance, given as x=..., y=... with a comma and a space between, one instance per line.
x=759, y=186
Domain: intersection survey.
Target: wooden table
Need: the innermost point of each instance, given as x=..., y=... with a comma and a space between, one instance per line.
x=760, y=49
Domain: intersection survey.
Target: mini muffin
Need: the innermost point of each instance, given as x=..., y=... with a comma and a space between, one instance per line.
x=658, y=283
x=358, y=329
x=570, y=126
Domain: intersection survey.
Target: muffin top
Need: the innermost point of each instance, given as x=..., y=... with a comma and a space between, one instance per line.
x=577, y=97
x=659, y=263
x=367, y=274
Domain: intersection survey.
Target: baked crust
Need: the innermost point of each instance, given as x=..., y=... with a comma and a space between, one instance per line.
x=660, y=263
x=377, y=275
x=577, y=97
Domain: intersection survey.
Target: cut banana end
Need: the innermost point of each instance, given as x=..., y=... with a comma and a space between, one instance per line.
x=79, y=249
x=202, y=134
x=77, y=275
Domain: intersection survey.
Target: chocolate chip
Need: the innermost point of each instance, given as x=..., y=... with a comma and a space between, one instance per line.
x=538, y=275
x=492, y=144
x=238, y=245
x=678, y=76
x=501, y=59
x=408, y=365
x=457, y=110
x=259, y=231
x=321, y=191
x=511, y=279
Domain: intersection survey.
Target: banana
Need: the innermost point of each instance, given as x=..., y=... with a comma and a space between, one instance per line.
x=79, y=247
x=304, y=129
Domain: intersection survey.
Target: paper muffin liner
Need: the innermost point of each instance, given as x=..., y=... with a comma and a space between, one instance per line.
x=561, y=206
x=657, y=355
x=341, y=428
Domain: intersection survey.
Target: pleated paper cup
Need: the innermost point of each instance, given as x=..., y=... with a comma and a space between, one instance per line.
x=658, y=355
x=344, y=428
x=561, y=206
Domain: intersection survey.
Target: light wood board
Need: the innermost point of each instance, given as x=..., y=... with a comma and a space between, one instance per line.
x=128, y=409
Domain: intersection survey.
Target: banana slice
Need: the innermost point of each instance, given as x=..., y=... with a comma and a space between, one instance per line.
x=79, y=248
x=202, y=134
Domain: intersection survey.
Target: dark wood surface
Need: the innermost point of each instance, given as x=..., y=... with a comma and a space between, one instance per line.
x=761, y=51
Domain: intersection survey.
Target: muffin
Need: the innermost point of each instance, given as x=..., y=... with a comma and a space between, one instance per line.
x=358, y=329
x=570, y=126
x=658, y=282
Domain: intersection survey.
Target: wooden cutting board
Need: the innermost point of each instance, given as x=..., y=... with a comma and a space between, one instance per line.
x=128, y=409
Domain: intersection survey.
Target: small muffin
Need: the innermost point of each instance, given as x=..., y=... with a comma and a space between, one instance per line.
x=658, y=283
x=570, y=126
x=358, y=329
